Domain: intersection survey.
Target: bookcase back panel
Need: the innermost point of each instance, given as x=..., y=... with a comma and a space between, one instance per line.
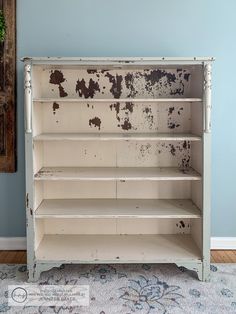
x=197, y=125
x=197, y=156
x=113, y=154
x=197, y=194
x=197, y=232
x=116, y=226
x=64, y=82
x=111, y=190
x=115, y=117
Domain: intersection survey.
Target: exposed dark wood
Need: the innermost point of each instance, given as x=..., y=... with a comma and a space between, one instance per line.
x=8, y=89
x=19, y=257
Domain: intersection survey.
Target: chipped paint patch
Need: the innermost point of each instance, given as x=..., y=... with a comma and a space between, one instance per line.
x=157, y=154
x=170, y=123
x=144, y=149
x=172, y=149
x=55, y=106
x=116, y=106
x=96, y=122
x=47, y=173
x=183, y=226
x=116, y=80
x=27, y=200
x=57, y=78
x=91, y=71
x=129, y=83
x=87, y=91
x=123, y=120
x=148, y=116
x=126, y=125
x=128, y=106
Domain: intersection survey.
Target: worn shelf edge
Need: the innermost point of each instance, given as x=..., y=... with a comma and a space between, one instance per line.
x=116, y=174
x=119, y=59
x=171, y=248
x=116, y=137
x=110, y=100
x=117, y=208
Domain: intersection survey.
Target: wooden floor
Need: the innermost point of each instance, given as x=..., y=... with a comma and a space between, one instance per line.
x=228, y=256
x=19, y=257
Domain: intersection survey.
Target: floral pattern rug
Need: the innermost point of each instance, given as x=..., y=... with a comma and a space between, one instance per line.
x=133, y=288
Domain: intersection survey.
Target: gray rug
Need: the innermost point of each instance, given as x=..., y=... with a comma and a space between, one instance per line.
x=141, y=289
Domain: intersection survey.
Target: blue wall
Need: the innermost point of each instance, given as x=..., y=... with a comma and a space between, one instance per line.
x=135, y=28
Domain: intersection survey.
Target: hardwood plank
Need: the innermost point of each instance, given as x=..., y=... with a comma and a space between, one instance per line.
x=3, y=256
x=115, y=174
x=230, y=257
x=12, y=257
x=21, y=257
x=224, y=256
x=216, y=256
x=212, y=258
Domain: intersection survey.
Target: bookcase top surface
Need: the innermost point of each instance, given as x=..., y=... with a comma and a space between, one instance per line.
x=118, y=60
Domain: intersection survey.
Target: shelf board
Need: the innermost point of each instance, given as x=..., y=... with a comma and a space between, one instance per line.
x=118, y=208
x=110, y=100
x=116, y=137
x=110, y=60
x=115, y=174
x=117, y=249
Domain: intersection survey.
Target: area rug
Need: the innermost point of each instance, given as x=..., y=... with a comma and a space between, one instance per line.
x=137, y=288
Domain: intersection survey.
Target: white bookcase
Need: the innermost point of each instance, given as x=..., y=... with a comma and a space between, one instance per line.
x=118, y=161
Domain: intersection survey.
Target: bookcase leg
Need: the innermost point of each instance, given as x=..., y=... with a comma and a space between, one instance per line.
x=35, y=271
x=197, y=267
x=206, y=272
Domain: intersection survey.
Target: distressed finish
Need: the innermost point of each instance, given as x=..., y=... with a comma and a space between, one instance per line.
x=28, y=95
x=207, y=96
x=8, y=90
x=161, y=117
x=117, y=153
x=115, y=83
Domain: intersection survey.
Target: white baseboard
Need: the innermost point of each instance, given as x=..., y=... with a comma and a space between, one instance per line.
x=223, y=243
x=12, y=243
x=19, y=243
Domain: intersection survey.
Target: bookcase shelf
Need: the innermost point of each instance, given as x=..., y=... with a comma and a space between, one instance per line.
x=114, y=174
x=118, y=208
x=117, y=249
x=112, y=100
x=116, y=137
x=118, y=161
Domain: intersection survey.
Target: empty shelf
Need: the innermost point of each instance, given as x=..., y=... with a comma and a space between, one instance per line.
x=118, y=208
x=110, y=100
x=114, y=174
x=116, y=137
x=117, y=249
